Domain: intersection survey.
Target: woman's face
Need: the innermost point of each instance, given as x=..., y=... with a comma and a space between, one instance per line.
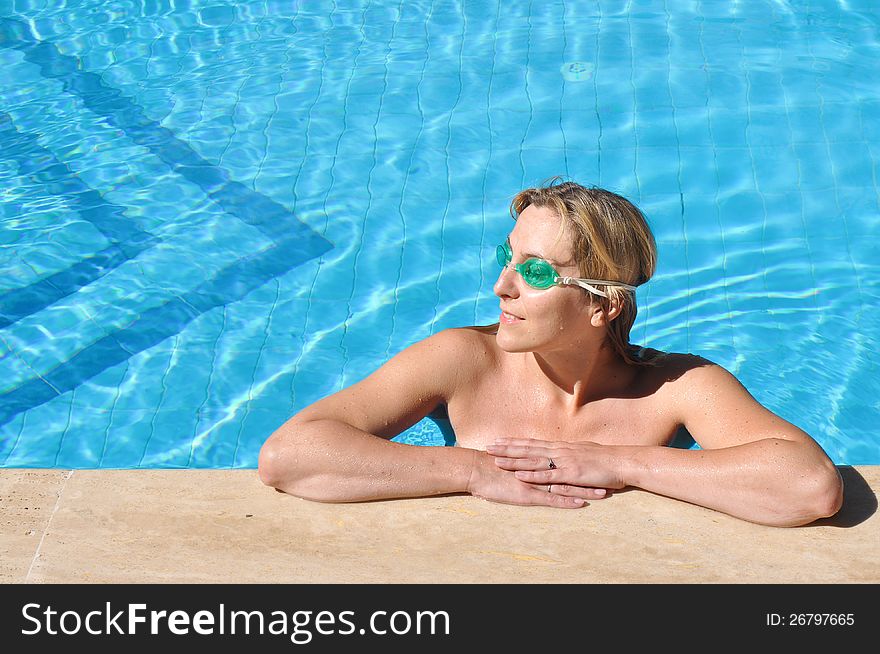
x=541, y=320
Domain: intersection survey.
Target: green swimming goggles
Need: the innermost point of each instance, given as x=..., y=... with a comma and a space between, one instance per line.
x=538, y=273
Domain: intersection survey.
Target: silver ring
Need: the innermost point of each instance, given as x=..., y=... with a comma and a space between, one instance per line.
x=548, y=487
x=551, y=465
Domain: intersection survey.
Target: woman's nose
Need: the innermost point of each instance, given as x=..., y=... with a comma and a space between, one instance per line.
x=505, y=285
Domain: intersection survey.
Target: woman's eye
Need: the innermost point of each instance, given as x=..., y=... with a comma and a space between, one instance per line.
x=534, y=267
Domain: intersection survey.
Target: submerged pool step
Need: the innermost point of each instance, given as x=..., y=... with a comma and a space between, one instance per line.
x=238, y=200
x=126, y=239
x=155, y=325
x=38, y=367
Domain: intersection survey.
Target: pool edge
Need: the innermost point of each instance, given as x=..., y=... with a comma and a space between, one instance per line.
x=224, y=526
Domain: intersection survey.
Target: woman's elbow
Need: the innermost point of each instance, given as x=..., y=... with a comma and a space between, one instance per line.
x=280, y=464
x=285, y=464
x=822, y=495
x=270, y=465
x=828, y=491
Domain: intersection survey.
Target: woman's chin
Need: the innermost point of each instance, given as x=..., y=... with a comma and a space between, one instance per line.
x=511, y=342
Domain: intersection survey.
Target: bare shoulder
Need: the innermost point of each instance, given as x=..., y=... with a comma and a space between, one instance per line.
x=410, y=385
x=678, y=366
x=715, y=406
x=690, y=377
x=466, y=350
x=450, y=356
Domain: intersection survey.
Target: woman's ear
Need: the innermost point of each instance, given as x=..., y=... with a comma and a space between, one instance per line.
x=604, y=310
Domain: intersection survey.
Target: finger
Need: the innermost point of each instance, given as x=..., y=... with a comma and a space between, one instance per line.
x=528, y=442
x=519, y=450
x=541, y=496
x=516, y=463
x=532, y=476
x=556, y=478
x=583, y=492
x=515, y=440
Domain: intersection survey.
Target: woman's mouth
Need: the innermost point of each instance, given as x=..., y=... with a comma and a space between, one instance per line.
x=509, y=318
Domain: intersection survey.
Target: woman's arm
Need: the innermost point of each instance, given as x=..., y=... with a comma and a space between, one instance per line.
x=338, y=449
x=753, y=464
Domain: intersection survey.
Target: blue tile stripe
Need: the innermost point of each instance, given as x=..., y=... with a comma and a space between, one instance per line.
x=156, y=324
x=20, y=302
x=127, y=241
x=294, y=242
x=38, y=163
x=253, y=208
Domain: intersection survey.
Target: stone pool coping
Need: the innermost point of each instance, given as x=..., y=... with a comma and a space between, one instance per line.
x=224, y=526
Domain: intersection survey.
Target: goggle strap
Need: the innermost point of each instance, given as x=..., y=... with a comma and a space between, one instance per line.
x=588, y=284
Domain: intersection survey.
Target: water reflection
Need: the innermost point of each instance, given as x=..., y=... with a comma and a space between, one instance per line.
x=399, y=134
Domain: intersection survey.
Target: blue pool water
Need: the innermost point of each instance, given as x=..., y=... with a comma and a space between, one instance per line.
x=215, y=213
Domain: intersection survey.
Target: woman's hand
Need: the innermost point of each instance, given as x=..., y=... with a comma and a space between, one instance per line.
x=583, y=470
x=490, y=482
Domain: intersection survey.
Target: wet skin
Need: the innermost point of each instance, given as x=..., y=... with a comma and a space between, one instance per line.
x=545, y=384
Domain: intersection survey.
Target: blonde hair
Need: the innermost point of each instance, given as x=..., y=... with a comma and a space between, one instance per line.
x=611, y=241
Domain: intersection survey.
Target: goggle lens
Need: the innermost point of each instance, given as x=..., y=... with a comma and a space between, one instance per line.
x=536, y=272
x=503, y=254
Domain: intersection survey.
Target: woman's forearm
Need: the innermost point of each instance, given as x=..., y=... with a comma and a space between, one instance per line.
x=331, y=461
x=770, y=481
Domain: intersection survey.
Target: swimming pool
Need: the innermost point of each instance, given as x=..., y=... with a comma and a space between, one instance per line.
x=215, y=213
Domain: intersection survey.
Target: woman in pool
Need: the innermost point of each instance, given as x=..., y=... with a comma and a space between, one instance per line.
x=553, y=406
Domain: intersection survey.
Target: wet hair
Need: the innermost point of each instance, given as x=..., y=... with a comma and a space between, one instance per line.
x=611, y=241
